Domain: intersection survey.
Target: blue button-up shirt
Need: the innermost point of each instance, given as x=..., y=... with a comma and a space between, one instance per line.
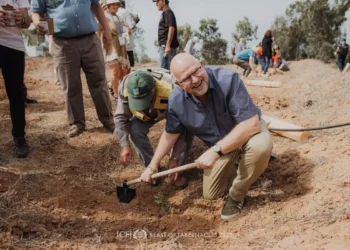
x=71, y=18
x=227, y=105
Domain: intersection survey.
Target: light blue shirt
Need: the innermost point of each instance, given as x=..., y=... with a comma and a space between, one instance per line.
x=246, y=54
x=71, y=18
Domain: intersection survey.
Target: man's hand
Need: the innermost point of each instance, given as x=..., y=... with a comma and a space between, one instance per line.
x=3, y=18
x=126, y=155
x=173, y=164
x=40, y=29
x=146, y=175
x=107, y=39
x=167, y=50
x=207, y=160
x=18, y=16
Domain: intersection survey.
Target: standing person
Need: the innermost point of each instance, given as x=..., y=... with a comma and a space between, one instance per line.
x=267, y=51
x=342, y=52
x=75, y=46
x=167, y=34
x=190, y=46
x=213, y=104
x=130, y=24
x=12, y=64
x=240, y=46
x=115, y=53
x=347, y=66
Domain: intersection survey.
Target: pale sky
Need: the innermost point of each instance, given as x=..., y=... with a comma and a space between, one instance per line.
x=227, y=12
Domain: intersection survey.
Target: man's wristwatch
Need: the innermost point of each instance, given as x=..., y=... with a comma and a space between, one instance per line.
x=216, y=148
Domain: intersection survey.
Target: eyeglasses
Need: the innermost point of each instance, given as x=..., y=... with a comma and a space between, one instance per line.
x=188, y=79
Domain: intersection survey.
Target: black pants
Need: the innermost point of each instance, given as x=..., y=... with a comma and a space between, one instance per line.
x=131, y=58
x=12, y=66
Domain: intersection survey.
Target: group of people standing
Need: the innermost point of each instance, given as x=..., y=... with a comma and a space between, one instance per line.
x=74, y=46
x=267, y=53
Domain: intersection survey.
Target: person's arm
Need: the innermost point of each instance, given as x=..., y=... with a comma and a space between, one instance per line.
x=38, y=11
x=173, y=130
x=170, y=39
x=131, y=25
x=245, y=114
x=251, y=64
x=166, y=142
x=22, y=15
x=122, y=117
x=170, y=19
x=122, y=125
x=98, y=11
x=239, y=135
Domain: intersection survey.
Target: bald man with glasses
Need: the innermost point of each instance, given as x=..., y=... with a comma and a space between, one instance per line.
x=214, y=105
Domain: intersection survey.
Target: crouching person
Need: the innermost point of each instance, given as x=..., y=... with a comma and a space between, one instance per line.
x=142, y=102
x=214, y=105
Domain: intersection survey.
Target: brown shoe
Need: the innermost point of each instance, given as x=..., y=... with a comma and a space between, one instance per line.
x=74, y=131
x=110, y=127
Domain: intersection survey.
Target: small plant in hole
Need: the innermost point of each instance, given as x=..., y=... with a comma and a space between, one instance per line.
x=159, y=199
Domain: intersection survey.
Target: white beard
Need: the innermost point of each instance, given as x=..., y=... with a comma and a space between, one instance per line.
x=202, y=90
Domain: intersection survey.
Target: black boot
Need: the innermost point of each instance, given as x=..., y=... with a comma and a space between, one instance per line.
x=21, y=147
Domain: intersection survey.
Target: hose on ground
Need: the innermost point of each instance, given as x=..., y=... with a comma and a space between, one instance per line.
x=310, y=129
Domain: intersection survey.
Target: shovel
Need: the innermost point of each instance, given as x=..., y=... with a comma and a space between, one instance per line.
x=126, y=194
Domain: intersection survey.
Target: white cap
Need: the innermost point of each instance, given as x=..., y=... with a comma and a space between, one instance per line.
x=112, y=1
x=195, y=39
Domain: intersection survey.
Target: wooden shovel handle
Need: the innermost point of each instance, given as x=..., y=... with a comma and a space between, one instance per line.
x=166, y=172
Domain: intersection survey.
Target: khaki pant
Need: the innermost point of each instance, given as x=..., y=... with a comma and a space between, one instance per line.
x=70, y=56
x=224, y=178
x=242, y=64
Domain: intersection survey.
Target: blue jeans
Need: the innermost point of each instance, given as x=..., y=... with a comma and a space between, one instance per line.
x=341, y=63
x=164, y=61
x=266, y=63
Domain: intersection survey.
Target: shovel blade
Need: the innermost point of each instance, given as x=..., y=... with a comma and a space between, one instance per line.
x=125, y=194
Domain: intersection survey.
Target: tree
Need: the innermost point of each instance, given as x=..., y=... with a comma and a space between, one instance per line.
x=245, y=29
x=214, y=47
x=184, y=33
x=310, y=28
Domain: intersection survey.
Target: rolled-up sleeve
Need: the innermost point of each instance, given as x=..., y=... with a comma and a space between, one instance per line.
x=38, y=6
x=241, y=106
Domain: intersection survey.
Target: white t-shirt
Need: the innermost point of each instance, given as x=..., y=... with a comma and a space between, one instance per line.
x=11, y=37
x=128, y=21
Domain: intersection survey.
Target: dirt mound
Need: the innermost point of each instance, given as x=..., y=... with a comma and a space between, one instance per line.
x=62, y=196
